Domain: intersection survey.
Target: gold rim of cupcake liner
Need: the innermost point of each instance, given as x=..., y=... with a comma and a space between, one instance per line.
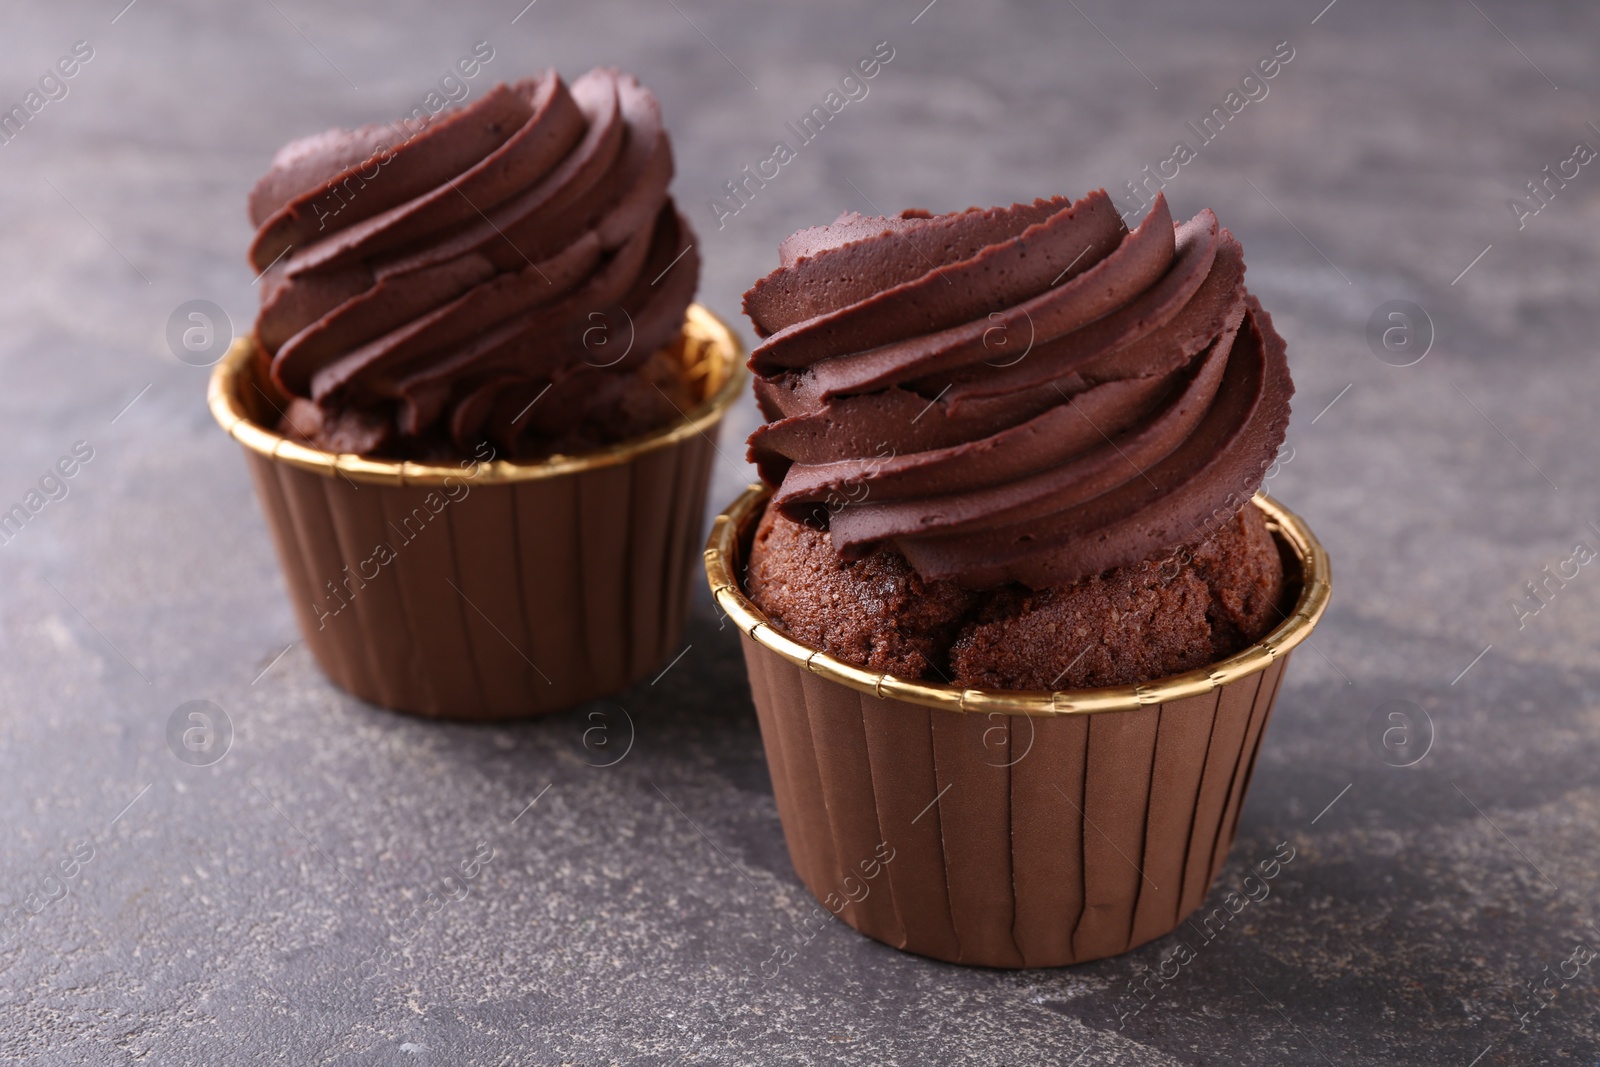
x=722, y=548
x=712, y=352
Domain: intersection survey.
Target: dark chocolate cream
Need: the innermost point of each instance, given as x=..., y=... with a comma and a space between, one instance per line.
x=1032, y=394
x=423, y=284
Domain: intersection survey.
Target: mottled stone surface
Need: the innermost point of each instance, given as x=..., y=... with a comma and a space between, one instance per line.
x=240, y=913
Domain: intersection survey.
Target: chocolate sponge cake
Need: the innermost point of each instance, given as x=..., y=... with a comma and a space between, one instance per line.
x=1131, y=624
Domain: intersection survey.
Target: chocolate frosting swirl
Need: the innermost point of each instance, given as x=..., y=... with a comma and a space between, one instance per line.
x=424, y=283
x=1029, y=394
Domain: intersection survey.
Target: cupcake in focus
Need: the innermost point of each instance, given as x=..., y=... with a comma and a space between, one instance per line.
x=1010, y=455
x=478, y=402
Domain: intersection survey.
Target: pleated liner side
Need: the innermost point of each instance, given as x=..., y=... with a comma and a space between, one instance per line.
x=1014, y=841
x=491, y=600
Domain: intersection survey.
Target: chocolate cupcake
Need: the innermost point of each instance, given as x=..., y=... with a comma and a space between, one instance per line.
x=478, y=404
x=1010, y=456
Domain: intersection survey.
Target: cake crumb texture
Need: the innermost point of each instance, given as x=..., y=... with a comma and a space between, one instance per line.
x=1128, y=625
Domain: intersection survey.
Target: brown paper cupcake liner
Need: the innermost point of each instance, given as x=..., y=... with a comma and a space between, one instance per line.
x=1006, y=828
x=487, y=590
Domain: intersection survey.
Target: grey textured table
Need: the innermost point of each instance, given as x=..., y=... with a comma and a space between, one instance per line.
x=266, y=908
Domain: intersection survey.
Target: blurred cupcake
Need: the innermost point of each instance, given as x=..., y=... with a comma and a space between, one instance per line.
x=1010, y=613
x=478, y=404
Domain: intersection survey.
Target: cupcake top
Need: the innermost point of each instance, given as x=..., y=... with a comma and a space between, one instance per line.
x=1029, y=394
x=426, y=282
